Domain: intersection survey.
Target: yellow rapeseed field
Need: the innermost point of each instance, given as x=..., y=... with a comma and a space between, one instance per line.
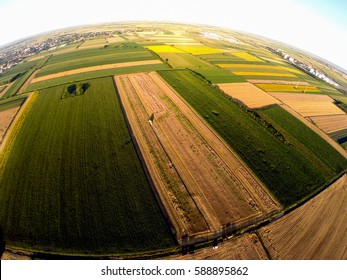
x=287, y=88
x=246, y=56
x=198, y=50
x=290, y=69
x=164, y=49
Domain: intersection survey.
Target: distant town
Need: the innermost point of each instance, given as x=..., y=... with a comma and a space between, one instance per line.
x=12, y=56
x=305, y=67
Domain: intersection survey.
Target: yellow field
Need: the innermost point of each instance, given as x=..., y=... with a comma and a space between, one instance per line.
x=246, y=56
x=293, y=70
x=164, y=49
x=309, y=104
x=287, y=88
x=271, y=74
x=197, y=50
x=248, y=94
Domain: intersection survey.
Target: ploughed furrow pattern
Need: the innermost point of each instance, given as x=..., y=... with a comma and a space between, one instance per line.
x=220, y=190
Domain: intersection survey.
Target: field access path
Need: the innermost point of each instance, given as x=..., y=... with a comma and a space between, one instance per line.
x=225, y=194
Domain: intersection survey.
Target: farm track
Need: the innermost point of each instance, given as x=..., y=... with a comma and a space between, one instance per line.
x=8, y=86
x=202, y=160
x=27, y=82
x=95, y=68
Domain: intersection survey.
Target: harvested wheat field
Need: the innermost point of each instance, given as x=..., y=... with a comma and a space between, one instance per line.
x=210, y=187
x=249, y=94
x=6, y=118
x=331, y=123
x=309, y=104
x=244, y=247
x=114, y=39
x=96, y=68
x=316, y=230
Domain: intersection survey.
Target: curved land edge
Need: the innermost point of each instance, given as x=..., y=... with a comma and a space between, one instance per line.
x=15, y=126
x=247, y=243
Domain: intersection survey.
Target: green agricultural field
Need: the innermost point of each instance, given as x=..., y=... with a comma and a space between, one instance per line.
x=339, y=136
x=17, y=70
x=218, y=76
x=94, y=74
x=12, y=102
x=182, y=60
x=21, y=77
x=73, y=183
x=93, y=57
x=225, y=58
x=290, y=170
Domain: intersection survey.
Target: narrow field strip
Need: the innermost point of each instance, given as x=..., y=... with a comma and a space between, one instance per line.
x=272, y=74
x=288, y=88
x=278, y=82
x=96, y=68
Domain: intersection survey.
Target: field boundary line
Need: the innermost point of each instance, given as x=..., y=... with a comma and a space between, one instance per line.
x=313, y=127
x=96, y=68
x=14, y=128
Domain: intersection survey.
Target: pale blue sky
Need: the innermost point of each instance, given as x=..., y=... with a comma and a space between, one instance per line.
x=314, y=25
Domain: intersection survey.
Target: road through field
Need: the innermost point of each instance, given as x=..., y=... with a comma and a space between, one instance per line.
x=223, y=189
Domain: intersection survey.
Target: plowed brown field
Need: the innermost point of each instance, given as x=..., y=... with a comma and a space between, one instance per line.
x=217, y=186
x=331, y=123
x=316, y=230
